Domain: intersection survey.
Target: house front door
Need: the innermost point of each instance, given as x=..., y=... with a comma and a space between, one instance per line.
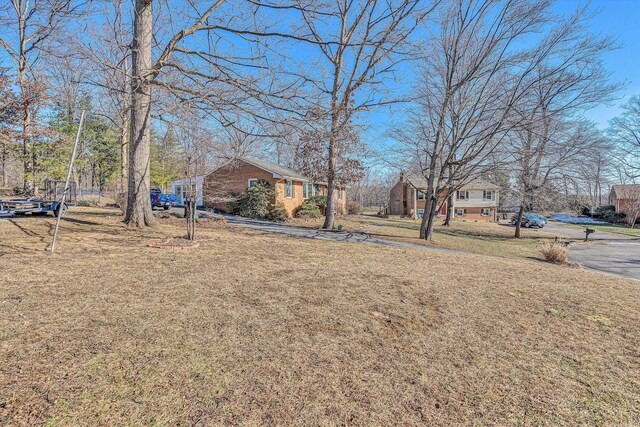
x=443, y=210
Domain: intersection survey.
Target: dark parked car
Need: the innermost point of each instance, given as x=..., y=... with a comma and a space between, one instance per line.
x=540, y=217
x=530, y=220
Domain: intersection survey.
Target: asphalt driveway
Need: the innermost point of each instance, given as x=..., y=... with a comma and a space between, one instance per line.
x=312, y=233
x=608, y=252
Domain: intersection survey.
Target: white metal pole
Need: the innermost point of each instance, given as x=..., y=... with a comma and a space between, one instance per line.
x=66, y=185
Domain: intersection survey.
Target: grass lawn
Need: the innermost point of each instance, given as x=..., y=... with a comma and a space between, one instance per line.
x=485, y=238
x=251, y=329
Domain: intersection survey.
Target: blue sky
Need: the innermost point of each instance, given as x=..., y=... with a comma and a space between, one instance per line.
x=617, y=18
x=620, y=18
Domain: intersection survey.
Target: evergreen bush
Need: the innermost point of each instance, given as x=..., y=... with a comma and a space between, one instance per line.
x=308, y=209
x=256, y=202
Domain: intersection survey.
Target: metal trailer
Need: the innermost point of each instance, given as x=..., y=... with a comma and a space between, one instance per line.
x=51, y=202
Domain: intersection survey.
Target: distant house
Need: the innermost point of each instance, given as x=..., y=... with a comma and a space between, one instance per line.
x=179, y=187
x=477, y=201
x=292, y=187
x=626, y=199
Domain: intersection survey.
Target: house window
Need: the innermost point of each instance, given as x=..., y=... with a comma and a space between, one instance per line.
x=420, y=195
x=339, y=193
x=308, y=190
x=316, y=189
x=252, y=182
x=461, y=212
x=289, y=190
x=420, y=213
x=462, y=195
x=485, y=212
x=487, y=195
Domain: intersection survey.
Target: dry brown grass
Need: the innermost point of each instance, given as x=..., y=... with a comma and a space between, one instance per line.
x=554, y=253
x=257, y=329
x=484, y=238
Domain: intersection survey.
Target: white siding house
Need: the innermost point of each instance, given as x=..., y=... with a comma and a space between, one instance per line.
x=178, y=187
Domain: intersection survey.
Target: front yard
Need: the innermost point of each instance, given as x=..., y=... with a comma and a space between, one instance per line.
x=485, y=238
x=250, y=328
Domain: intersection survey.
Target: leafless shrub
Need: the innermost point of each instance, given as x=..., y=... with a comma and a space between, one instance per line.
x=554, y=253
x=354, y=208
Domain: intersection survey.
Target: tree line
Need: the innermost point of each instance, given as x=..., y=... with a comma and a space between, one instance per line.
x=486, y=88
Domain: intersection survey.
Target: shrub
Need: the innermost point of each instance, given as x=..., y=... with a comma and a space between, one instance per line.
x=318, y=200
x=255, y=202
x=354, y=208
x=278, y=213
x=581, y=206
x=308, y=209
x=555, y=253
x=604, y=211
x=608, y=213
x=90, y=203
x=233, y=204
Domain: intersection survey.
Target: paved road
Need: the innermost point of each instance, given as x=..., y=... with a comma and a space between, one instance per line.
x=609, y=253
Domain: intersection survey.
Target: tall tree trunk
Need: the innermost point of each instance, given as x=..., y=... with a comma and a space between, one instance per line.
x=124, y=127
x=139, y=213
x=430, y=202
x=336, y=122
x=330, y=210
x=26, y=133
x=3, y=154
x=26, y=105
x=123, y=155
x=449, y=217
x=519, y=221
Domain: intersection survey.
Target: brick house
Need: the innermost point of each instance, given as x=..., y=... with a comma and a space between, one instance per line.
x=476, y=201
x=292, y=188
x=626, y=199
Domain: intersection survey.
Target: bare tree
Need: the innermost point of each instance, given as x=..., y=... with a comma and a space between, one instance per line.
x=354, y=57
x=595, y=168
x=313, y=150
x=545, y=156
x=29, y=28
x=201, y=65
x=9, y=104
x=474, y=72
x=569, y=81
x=624, y=130
x=108, y=55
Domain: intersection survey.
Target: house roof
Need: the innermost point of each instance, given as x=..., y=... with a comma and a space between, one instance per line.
x=421, y=184
x=277, y=170
x=626, y=191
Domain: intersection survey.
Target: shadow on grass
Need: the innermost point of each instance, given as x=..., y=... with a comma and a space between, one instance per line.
x=81, y=221
x=107, y=212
